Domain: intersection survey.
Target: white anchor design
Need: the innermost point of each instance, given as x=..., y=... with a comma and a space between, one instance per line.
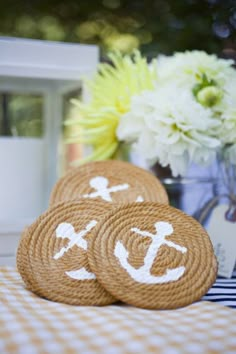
x=139, y=199
x=66, y=230
x=100, y=184
x=143, y=274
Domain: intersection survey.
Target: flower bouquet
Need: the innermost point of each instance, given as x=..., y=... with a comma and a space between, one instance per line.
x=174, y=111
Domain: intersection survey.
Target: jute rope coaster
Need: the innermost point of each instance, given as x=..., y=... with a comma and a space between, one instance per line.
x=109, y=181
x=52, y=255
x=152, y=256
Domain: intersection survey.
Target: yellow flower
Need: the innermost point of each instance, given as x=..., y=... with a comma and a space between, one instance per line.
x=111, y=91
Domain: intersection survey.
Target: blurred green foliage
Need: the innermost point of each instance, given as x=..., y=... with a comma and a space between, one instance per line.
x=155, y=26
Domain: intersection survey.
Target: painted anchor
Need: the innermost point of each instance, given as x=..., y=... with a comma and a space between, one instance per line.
x=66, y=230
x=143, y=274
x=100, y=184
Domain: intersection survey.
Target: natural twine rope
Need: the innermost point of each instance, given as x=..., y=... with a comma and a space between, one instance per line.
x=45, y=275
x=142, y=183
x=199, y=260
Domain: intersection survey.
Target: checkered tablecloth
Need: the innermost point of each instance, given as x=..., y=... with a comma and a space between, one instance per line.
x=31, y=325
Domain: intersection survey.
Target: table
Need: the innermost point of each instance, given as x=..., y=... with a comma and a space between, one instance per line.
x=32, y=325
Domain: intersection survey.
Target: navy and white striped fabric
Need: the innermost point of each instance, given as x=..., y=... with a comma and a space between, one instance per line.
x=223, y=292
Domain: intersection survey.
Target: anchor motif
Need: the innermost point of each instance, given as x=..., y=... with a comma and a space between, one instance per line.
x=100, y=184
x=66, y=230
x=143, y=274
x=139, y=199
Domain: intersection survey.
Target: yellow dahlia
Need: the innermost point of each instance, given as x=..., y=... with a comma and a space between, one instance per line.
x=111, y=91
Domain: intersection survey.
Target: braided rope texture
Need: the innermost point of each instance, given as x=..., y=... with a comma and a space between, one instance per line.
x=198, y=261
x=45, y=275
x=142, y=183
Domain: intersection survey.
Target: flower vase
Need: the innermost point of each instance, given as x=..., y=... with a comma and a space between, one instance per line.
x=218, y=216
x=192, y=192
x=223, y=191
x=209, y=195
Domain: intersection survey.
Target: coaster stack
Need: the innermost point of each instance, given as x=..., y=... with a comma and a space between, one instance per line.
x=108, y=235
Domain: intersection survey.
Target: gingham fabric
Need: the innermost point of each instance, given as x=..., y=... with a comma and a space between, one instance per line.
x=31, y=325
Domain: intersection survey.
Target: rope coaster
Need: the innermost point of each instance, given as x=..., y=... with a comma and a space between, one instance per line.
x=52, y=255
x=152, y=256
x=109, y=181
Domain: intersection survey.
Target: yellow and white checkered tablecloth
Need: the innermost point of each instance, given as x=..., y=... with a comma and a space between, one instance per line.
x=31, y=325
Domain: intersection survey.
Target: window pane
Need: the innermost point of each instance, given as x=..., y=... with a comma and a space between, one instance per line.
x=21, y=115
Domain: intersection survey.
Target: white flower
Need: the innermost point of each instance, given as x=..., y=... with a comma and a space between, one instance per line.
x=168, y=125
x=227, y=111
x=187, y=68
x=190, y=114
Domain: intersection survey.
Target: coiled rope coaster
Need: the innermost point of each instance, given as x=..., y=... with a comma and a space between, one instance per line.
x=52, y=254
x=109, y=181
x=152, y=256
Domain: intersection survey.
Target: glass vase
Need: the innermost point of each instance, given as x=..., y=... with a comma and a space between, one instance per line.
x=202, y=189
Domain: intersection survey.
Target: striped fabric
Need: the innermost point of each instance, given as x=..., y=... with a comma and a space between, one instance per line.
x=223, y=292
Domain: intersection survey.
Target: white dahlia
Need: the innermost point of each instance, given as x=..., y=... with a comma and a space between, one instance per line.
x=189, y=67
x=168, y=125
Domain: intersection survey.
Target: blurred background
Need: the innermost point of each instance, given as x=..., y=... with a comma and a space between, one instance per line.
x=153, y=26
